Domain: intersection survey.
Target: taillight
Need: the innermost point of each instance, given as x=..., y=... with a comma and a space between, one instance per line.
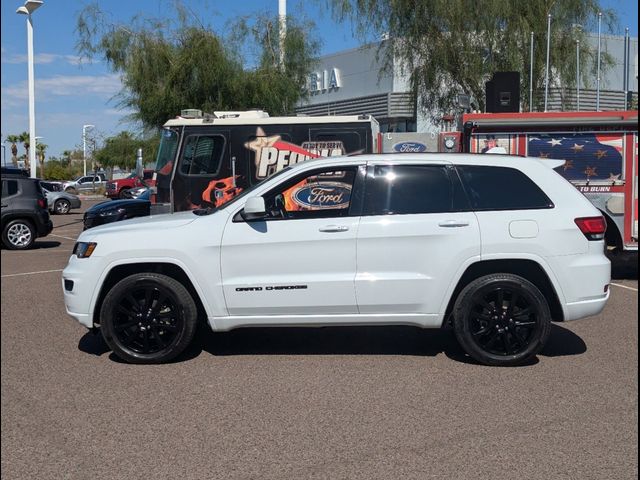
x=42, y=203
x=592, y=227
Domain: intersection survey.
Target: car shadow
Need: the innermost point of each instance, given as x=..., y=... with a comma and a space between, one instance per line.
x=624, y=266
x=386, y=340
x=45, y=244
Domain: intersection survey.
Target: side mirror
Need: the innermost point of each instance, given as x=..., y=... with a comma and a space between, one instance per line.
x=254, y=209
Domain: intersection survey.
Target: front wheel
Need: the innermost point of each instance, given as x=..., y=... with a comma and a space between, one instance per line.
x=148, y=318
x=62, y=206
x=124, y=193
x=501, y=320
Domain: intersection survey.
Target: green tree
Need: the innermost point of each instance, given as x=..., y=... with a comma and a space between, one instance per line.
x=121, y=150
x=449, y=48
x=41, y=149
x=172, y=64
x=14, y=139
x=24, y=139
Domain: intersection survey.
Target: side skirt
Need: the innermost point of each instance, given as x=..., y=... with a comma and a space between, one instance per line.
x=223, y=324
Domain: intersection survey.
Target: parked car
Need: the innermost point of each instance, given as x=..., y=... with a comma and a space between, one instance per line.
x=116, y=210
x=119, y=188
x=86, y=183
x=495, y=248
x=51, y=186
x=136, y=192
x=24, y=212
x=60, y=202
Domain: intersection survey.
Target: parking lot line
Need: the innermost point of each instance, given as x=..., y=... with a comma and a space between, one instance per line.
x=624, y=286
x=30, y=273
x=62, y=236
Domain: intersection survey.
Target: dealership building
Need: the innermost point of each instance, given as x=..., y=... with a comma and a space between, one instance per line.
x=354, y=82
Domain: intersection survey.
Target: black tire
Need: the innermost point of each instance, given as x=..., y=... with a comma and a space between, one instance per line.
x=62, y=206
x=18, y=234
x=501, y=320
x=124, y=193
x=138, y=333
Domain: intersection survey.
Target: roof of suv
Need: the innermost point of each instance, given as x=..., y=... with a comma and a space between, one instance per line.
x=496, y=160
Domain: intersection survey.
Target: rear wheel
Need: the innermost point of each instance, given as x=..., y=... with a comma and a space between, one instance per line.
x=18, y=234
x=62, y=206
x=148, y=318
x=501, y=320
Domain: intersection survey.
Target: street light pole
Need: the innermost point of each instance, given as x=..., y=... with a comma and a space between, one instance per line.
x=84, y=147
x=29, y=7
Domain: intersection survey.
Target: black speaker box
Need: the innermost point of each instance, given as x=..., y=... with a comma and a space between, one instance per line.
x=502, y=92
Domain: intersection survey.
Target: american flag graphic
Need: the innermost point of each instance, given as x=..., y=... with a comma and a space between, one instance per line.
x=589, y=156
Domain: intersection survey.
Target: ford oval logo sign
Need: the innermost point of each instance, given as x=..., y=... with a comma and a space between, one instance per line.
x=323, y=195
x=409, y=147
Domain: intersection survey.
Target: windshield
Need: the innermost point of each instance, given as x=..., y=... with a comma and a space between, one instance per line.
x=167, y=150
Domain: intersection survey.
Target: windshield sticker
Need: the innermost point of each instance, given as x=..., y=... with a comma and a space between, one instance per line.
x=272, y=154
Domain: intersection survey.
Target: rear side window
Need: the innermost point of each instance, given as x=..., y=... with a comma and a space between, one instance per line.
x=501, y=188
x=411, y=189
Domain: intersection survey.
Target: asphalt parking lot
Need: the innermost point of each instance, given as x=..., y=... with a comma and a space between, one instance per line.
x=370, y=403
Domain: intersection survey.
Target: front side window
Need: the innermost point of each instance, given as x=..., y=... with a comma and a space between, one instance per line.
x=409, y=189
x=202, y=155
x=501, y=188
x=318, y=194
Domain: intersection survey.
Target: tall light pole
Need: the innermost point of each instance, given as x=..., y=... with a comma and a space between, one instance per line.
x=4, y=154
x=29, y=7
x=84, y=146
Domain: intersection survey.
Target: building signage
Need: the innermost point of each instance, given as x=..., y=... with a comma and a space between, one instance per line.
x=409, y=147
x=324, y=80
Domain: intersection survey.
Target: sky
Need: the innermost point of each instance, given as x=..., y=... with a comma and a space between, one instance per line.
x=70, y=93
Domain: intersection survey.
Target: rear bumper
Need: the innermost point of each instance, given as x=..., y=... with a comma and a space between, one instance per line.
x=585, y=280
x=586, y=308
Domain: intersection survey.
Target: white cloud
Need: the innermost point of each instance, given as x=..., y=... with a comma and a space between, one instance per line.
x=64, y=85
x=40, y=58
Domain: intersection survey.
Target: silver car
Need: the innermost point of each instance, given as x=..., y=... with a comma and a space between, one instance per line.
x=61, y=202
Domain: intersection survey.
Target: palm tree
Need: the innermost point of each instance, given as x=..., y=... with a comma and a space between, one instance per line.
x=24, y=138
x=14, y=139
x=41, y=148
x=66, y=158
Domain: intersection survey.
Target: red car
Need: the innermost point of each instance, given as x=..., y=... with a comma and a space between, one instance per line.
x=117, y=188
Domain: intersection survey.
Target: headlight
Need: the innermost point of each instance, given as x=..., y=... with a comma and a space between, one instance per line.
x=84, y=249
x=111, y=213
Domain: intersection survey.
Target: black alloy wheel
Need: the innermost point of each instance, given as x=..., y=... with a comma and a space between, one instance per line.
x=502, y=319
x=148, y=318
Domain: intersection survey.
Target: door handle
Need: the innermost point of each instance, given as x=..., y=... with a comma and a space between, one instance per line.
x=334, y=228
x=454, y=223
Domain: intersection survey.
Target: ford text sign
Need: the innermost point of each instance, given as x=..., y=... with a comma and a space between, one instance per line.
x=409, y=147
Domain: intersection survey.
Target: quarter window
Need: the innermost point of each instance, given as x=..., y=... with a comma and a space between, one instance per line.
x=202, y=155
x=501, y=188
x=9, y=187
x=409, y=189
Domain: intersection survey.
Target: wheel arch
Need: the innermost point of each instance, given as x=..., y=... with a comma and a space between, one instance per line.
x=613, y=235
x=119, y=272
x=525, y=268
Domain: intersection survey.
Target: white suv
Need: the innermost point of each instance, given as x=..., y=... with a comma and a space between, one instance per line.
x=495, y=246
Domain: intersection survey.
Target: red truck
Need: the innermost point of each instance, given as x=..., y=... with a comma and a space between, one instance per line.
x=117, y=188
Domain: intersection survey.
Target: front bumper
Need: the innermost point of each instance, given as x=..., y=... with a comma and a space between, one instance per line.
x=78, y=283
